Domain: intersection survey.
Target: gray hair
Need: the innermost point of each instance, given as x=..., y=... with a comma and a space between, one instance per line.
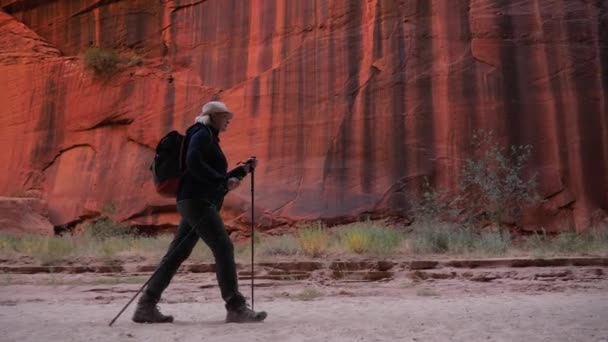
x=203, y=119
x=208, y=109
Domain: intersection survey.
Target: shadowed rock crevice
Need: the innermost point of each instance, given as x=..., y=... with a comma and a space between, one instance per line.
x=95, y=6
x=110, y=122
x=49, y=164
x=153, y=209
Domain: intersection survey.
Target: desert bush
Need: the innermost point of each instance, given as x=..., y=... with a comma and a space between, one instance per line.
x=493, y=185
x=102, y=61
x=105, y=227
x=591, y=241
x=47, y=250
x=431, y=205
x=368, y=237
x=442, y=237
x=279, y=245
x=314, y=239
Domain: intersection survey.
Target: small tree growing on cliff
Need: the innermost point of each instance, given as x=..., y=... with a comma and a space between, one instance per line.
x=103, y=62
x=493, y=185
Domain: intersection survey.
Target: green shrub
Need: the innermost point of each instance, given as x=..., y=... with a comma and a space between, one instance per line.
x=591, y=241
x=104, y=227
x=102, y=61
x=369, y=238
x=47, y=250
x=432, y=205
x=493, y=187
x=279, y=245
x=314, y=239
x=493, y=243
x=441, y=237
x=493, y=184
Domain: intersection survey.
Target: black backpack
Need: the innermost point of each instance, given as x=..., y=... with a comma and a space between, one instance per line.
x=169, y=161
x=168, y=165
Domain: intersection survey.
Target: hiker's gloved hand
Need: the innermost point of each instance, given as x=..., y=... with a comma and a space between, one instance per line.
x=233, y=183
x=250, y=164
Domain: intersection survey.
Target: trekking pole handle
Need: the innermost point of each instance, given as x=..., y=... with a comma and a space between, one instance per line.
x=248, y=161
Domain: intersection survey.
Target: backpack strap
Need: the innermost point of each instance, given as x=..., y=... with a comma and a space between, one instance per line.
x=186, y=141
x=182, y=147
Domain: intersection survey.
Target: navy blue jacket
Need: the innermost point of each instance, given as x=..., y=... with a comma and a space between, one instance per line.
x=206, y=172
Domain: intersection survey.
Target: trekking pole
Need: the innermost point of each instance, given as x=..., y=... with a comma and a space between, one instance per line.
x=152, y=276
x=252, y=239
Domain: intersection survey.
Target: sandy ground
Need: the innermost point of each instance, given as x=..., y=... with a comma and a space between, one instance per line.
x=79, y=308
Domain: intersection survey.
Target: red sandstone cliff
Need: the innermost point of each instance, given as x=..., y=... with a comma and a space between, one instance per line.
x=347, y=104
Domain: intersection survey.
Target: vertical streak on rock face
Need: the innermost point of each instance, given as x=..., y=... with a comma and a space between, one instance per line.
x=286, y=81
x=308, y=94
x=510, y=77
x=266, y=30
x=272, y=130
x=397, y=51
x=320, y=106
x=207, y=27
x=73, y=32
x=302, y=90
x=573, y=125
x=602, y=45
x=453, y=87
x=239, y=69
x=589, y=121
x=332, y=157
x=424, y=86
x=353, y=62
x=51, y=119
x=525, y=129
x=136, y=30
x=369, y=127
x=329, y=94
x=549, y=152
x=465, y=90
x=443, y=28
x=225, y=72
x=275, y=86
x=368, y=134
x=552, y=62
x=285, y=6
x=377, y=43
x=254, y=95
x=107, y=28
x=168, y=30
x=168, y=107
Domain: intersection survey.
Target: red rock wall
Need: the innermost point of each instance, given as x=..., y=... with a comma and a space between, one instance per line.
x=347, y=104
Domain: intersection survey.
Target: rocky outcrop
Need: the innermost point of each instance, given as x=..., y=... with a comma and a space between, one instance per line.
x=348, y=105
x=24, y=215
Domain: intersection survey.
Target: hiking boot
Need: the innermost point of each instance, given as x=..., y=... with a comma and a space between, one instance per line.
x=147, y=312
x=244, y=314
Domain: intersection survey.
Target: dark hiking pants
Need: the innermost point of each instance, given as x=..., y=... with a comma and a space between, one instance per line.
x=200, y=219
